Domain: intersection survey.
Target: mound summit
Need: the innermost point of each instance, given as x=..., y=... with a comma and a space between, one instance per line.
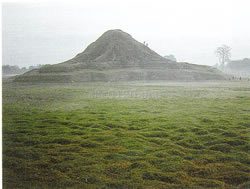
x=117, y=56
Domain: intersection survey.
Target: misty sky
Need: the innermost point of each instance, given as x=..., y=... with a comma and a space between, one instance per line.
x=48, y=33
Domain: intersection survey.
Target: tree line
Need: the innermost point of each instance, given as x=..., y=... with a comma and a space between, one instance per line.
x=9, y=69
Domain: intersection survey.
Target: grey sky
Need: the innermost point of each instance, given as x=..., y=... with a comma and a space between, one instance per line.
x=48, y=33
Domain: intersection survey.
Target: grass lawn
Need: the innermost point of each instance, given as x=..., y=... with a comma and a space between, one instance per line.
x=126, y=135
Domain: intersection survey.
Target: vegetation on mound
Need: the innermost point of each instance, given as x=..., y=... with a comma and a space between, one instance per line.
x=117, y=50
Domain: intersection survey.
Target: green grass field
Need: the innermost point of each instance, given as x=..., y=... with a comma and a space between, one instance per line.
x=134, y=135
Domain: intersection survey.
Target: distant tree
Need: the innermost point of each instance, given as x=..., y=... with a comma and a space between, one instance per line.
x=8, y=69
x=170, y=57
x=224, y=54
x=31, y=67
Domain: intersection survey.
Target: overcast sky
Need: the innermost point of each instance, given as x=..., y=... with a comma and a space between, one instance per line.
x=48, y=33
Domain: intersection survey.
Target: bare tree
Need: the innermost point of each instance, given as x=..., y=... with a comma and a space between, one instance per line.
x=224, y=54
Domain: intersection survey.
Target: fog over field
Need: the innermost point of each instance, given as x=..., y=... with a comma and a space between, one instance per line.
x=126, y=135
x=49, y=33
